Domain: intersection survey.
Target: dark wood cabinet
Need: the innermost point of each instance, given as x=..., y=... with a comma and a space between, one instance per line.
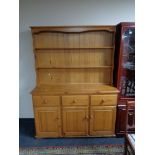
x=120, y=124
x=124, y=70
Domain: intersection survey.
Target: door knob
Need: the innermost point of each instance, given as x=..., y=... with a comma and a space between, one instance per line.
x=91, y=117
x=87, y=117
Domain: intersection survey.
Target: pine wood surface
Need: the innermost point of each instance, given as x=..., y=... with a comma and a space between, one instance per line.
x=75, y=121
x=74, y=89
x=102, y=120
x=73, y=58
x=74, y=95
x=48, y=121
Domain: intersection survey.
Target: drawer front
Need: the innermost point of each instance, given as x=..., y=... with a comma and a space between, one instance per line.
x=75, y=100
x=46, y=101
x=101, y=100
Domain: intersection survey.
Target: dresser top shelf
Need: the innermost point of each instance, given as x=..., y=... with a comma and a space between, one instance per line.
x=74, y=29
x=72, y=89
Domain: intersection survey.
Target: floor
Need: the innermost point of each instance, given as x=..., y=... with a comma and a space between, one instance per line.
x=27, y=139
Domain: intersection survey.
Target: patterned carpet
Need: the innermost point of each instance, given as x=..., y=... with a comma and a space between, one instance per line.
x=29, y=145
x=75, y=150
x=27, y=139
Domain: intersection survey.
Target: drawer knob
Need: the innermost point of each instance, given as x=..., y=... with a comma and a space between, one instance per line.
x=87, y=117
x=102, y=101
x=91, y=117
x=74, y=101
x=50, y=61
x=57, y=118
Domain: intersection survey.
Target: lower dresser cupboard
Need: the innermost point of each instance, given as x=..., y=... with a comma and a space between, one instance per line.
x=74, y=115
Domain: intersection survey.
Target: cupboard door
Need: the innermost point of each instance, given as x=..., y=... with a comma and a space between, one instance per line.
x=75, y=121
x=102, y=120
x=48, y=122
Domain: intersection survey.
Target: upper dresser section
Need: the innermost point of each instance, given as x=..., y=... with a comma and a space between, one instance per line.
x=74, y=54
x=73, y=37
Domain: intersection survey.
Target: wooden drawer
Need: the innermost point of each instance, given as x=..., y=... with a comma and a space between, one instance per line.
x=75, y=100
x=101, y=100
x=46, y=101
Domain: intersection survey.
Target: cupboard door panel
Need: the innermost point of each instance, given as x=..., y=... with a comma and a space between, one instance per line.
x=75, y=121
x=48, y=122
x=102, y=120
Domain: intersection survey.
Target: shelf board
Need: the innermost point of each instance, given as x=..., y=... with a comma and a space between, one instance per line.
x=79, y=88
x=78, y=67
x=108, y=47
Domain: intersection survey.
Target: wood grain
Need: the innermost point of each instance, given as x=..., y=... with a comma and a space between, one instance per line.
x=102, y=120
x=48, y=122
x=74, y=73
x=75, y=121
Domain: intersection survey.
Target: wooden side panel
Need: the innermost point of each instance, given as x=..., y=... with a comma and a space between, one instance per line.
x=48, y=122
x=74, y=76
x=74, y=58
x=102, y=120
x=75, y=121
x=96, y=39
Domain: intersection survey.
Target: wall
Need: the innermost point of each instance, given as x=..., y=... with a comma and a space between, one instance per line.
x=60, y=12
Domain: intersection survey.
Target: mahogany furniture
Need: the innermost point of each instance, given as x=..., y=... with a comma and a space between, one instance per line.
x=124, y=70
x=74, y=95
x=130, y=126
